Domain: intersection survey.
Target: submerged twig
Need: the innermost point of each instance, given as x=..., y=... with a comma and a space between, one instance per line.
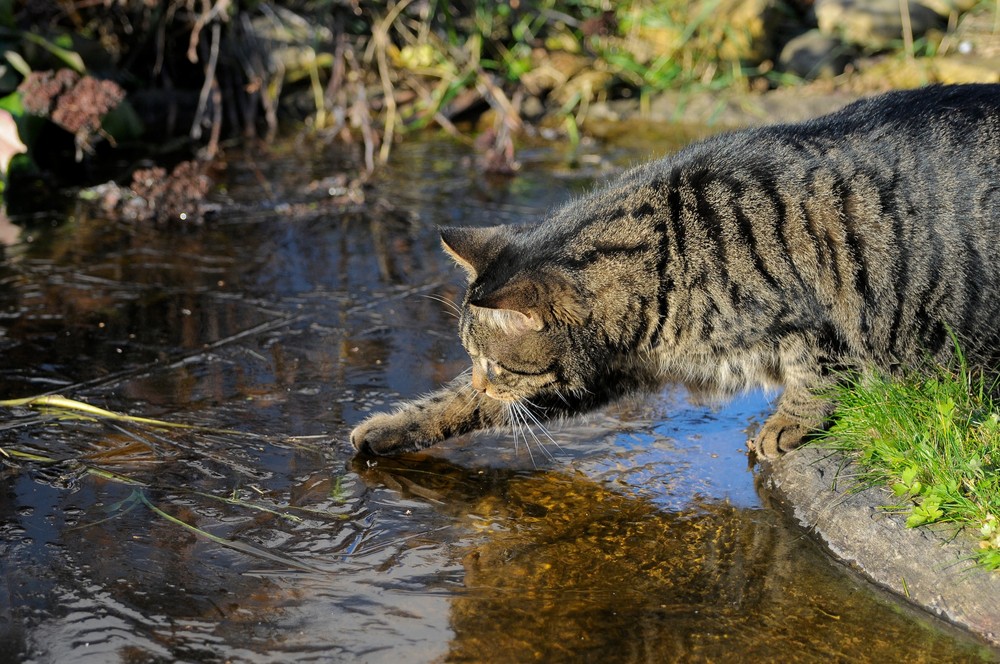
x=236, y=545
x=183, y=358
x=61, y=403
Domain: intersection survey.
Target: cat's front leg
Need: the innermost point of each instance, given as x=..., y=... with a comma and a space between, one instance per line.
x=800, y=412
x=454, y=409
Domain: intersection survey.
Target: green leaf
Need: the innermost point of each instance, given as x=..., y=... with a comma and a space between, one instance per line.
x=12, y=104
x=70, y=58
x=7, y=13
x=18, y=62
x=122, y=122
x=915, y=520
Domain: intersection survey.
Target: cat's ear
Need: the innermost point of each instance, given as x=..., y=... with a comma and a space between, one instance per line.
x=474, y=248
x=511, y=308
x=510, y=321
x=528, y=303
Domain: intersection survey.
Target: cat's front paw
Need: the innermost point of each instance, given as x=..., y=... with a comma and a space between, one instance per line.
x=388, y=434
x=780, y=434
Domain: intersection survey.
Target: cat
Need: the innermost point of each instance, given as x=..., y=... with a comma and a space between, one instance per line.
x=780, y=256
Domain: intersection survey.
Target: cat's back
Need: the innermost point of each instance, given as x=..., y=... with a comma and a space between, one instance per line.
x=882, y=217
x=925, y=139
x=938, y=111
x=903, y=129
x=876, y=223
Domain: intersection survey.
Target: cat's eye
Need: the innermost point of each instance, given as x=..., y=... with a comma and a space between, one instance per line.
x=489, y=368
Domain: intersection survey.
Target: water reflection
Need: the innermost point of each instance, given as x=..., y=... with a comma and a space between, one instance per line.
x=285, y=321
x=561, y=568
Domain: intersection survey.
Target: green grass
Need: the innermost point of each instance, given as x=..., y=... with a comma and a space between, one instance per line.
x=934, y=439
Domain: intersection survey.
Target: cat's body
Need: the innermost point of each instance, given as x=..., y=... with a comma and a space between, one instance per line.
x=777, y=256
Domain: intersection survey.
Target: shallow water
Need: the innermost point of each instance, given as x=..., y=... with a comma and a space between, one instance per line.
x=636, y=534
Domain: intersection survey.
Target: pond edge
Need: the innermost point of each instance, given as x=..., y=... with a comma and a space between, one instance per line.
x=931, y=567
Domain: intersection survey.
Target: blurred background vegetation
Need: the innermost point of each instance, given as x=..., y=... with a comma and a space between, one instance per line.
x=82, y=79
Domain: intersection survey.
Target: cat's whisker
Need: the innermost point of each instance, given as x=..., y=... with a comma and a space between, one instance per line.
x=472, y=400
x=541, y=446
x=515, y=427
x=561, y=396
x=534, y=418
x=473, y=397
x=538, y=423
x=452, y=308
x=525, y=430
x=527, y=446
x=524, y=415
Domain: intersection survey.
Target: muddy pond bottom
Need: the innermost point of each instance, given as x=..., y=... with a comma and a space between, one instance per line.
x=633, y=535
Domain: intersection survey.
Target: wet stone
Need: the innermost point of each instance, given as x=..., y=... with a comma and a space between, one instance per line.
x=814, y=55
x=931, y=567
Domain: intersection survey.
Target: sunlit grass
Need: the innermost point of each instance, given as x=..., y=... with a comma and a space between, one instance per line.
x=935, y=441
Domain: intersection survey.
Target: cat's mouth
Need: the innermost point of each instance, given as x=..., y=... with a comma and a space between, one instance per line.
x=493, y=393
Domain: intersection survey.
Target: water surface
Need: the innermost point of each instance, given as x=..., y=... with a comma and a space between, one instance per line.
x=636, y=534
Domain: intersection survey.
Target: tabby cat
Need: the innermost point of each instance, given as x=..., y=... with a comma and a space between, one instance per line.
x=776, y=256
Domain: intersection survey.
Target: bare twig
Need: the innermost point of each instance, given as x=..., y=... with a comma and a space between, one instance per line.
x=209, y=14
x=206, y=87
x=365, y=121
x=213, y=141
x=904, y=12
x=360, y=116
x=380, y=44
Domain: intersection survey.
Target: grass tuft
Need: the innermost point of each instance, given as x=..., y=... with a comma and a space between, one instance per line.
x=934, y=439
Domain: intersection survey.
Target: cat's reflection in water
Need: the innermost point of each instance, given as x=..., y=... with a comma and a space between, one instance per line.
x=558, y=567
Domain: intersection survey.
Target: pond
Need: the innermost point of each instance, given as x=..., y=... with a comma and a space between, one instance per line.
x=636, y=534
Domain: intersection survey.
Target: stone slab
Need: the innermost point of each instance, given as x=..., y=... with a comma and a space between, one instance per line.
x=930, y=567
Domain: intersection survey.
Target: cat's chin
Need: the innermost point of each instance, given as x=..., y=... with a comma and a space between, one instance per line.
x=501, y=397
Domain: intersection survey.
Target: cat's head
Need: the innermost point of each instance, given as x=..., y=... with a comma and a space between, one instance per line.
x=521, y=317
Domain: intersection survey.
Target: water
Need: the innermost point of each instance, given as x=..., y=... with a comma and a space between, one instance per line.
x=285, y=321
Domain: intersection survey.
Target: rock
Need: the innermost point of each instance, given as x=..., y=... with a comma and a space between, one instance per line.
x=813, y=55
x=944, y=8
x=976, y=35
x=741, y=29
x=532, y=108
x=873, y=24
x=551, y=69
x=741, y=110
x=931, y=568
x=738, y=31
x=583, y=87
x=967, y=69
x=886, y=73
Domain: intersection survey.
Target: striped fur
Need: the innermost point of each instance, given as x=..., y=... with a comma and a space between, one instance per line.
x=777, y=256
